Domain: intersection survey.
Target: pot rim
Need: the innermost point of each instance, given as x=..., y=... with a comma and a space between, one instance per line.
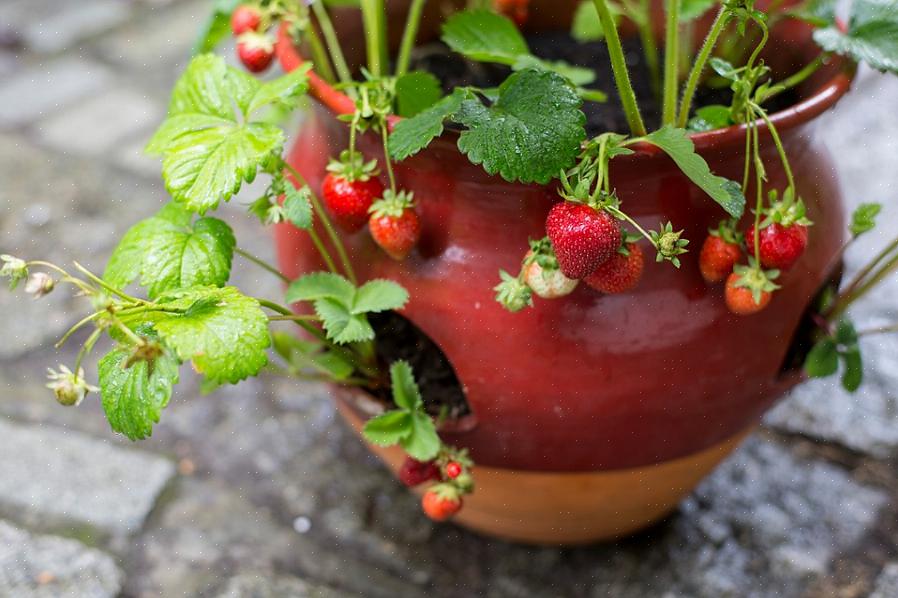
x=822, y=99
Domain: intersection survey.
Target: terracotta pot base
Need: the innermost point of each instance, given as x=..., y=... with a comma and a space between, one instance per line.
x=573, y=508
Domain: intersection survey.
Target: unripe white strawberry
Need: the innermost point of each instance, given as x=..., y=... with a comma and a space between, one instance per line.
x=547, y=283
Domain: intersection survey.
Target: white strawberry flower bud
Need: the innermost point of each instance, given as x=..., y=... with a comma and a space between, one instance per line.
x=14, y=268
x=39, y=284
x=69, y=388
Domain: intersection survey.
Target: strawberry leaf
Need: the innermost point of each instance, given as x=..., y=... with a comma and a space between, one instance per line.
x=531, y=133
x=223, y=332
x=167, y=252
x=822, y=360
x=134, y=397
x=423, y=443
x=322, y=285
x=415, y=92
x=208, y=143
x=378, y=296
x=676, y=144
x=411, y=135
x=297, y=206
x=388, y=429
x=872, y=34
x=864, y=218
x=405, y=390
x=693, y=9
x=340, y=325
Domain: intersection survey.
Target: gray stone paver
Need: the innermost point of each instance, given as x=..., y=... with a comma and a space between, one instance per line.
x=887, y=582
x=47, y=87
x=276, y=496
x=52, y=478
x=34, y=566
x=100, y=124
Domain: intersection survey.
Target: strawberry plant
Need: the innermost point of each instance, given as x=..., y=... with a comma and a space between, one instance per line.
x=530, y=127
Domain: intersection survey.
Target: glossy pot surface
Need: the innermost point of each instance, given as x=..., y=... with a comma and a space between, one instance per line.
x=591, y=382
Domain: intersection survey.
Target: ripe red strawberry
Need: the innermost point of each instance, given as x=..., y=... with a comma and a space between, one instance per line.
x=453, y=469
x=394, y=225
x=245, y=18
x=349, y=189
x=749, y=289
x=255, y=51
x=582, y=236
x=414, y=472
x=780, y=246
x=441, y=502
x=720, y=252
x=619, y=274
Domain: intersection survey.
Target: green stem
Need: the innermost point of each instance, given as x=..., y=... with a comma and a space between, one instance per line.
x=765, y=34
x=319, y=55
x=776, y=141
x=78, y=326
x=671, y=60
x=618, y=213
x=870, y=266
x=375, y=35
x=881, y=330
x=649, y=48
x=87, y=348
x=759, y=194
x=322, y=251
x=619, y=67
x=701, y=61
x=128, y=332
x=294, y=318
x=796, y=79
x=384, y=138
x=326, y=222
x=97, y=280
x=66, y=277
x=408, y=36
x=261, y=263
x=333, y=42
x=882, y=273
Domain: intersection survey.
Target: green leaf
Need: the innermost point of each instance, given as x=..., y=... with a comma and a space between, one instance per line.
x=283, y=91
x=724, y=68
x=223, y=332
x=415, y=92
x=405, y=390
x=576, y=74
x=676, y=144
x=484, y=36
x=337, y=367
x=708, y=118
x=423, y=443
x=322, y=285
x=846, y=334
x=166, y=252
x=854, y=369
x=693, y=9
x=379, y=295
x=134, y=398
x=822, y=360
x=586, y=26
x=864, y=218
x=217, y=27
x=297, y=206
x=872, y=34
x=411, y=135
x=388, y=429
x=340, y=325
x=208, y=145
x=531, y=133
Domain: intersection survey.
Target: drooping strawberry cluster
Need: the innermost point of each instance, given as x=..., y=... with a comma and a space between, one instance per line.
x=255, y=46
x=451, y=474
x=772, y=247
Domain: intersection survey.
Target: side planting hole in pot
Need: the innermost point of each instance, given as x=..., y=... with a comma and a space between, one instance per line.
x=398, y=338
x=803, y=339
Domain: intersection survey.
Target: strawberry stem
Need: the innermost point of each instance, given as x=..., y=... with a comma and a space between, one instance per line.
x=701, y=61
x=671, y=60
x=261, y=263
x=408, y=36
x=333, y=42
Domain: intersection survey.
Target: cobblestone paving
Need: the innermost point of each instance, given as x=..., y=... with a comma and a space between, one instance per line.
x=259, y=490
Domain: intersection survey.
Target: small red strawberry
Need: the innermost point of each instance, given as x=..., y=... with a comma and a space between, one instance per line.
x=453, y=469
x=414, y=472
x=582, y=236
x=749, y=289
x=394, y=225
x=783, y=234
x=349, y=189
x=619, y=274
x=720, y=252
x=441, y=502
x=780, y=246
x=255, y=51
x=541, y=272
x=245, y=18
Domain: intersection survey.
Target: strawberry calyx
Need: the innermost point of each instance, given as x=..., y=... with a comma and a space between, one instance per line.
x=352, y=167
x=785, y=212
x=512, y=292
x=756, y=279
x=726, y=230
x=392, y=204
x=669, y=244
x=445, y=491
x=542, y=253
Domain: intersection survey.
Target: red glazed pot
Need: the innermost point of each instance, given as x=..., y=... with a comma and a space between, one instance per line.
x=607, y=389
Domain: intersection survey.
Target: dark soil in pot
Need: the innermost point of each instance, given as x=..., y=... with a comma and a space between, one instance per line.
x=454, y=70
